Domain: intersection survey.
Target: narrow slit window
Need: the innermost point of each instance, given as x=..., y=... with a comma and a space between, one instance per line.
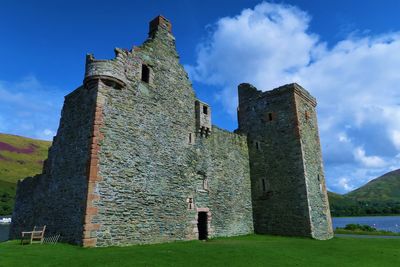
x=190, y=138
x=257, y=146
x=205, y=110
x=263, y=185
x=145, y=73
x=270, y=116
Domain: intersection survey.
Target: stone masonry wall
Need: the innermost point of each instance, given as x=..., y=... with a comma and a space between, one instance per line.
x=224, y=158
x=57, y=198
x=320, y=215
x=148, y=166
x=288, y=185
x=279, y=192
x=128, y=164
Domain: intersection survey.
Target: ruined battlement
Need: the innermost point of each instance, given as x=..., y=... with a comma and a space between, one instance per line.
x=248, y=92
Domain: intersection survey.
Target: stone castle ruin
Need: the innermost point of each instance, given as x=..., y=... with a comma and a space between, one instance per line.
x=136, y=159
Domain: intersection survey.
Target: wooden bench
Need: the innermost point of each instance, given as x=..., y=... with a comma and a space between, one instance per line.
x=35, y=236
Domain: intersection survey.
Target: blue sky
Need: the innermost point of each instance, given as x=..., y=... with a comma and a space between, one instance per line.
x=346, y=53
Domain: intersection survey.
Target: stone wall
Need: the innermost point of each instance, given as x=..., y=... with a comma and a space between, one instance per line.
x=281, y=198
x=57, y=198
x=224, y=158
x=320, y=215
x=152, y=160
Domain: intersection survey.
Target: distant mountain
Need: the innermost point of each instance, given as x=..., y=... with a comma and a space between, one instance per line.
x=380, y=196
x=383, y=188
x=20, y=157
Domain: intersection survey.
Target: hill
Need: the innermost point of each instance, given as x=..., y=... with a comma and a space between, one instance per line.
x=20, y=157
x=383, y=188
x=380, y=196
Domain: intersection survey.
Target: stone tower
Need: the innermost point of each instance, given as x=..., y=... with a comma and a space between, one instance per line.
x=288, y=184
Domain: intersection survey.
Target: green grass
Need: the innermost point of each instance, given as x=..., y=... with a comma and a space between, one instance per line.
x=252, y=250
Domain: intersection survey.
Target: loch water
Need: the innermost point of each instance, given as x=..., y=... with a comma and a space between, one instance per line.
x=386, y=223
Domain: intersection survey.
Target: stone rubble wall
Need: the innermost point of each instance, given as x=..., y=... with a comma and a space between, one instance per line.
x=57, y=198
x=148, y=167
x=320, y=215
x=229, y=194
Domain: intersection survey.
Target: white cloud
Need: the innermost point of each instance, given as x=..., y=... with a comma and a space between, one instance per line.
x=368, y=161
x=356, y=82
x=342, y=136
x=344, y=183
x=48, y=132
x=395, y=135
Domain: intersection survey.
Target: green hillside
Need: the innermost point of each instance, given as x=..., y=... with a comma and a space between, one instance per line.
x=20, y=157
x=383, y=188
x=380, y=196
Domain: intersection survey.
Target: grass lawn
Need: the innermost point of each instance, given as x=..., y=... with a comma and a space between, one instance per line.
x=252, y=250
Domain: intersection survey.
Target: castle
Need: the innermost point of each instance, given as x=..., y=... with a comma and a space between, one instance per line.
x=136, y=159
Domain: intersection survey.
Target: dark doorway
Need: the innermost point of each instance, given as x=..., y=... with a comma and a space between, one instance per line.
x=202, y=225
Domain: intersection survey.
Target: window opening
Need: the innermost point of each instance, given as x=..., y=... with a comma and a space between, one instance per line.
x=270, y=116
x=205, y=110
x=190, y=138
x=145, y=73
x=190, y=203
x=263, y=185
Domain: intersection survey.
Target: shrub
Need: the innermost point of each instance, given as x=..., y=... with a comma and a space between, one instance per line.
x=360, y=227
